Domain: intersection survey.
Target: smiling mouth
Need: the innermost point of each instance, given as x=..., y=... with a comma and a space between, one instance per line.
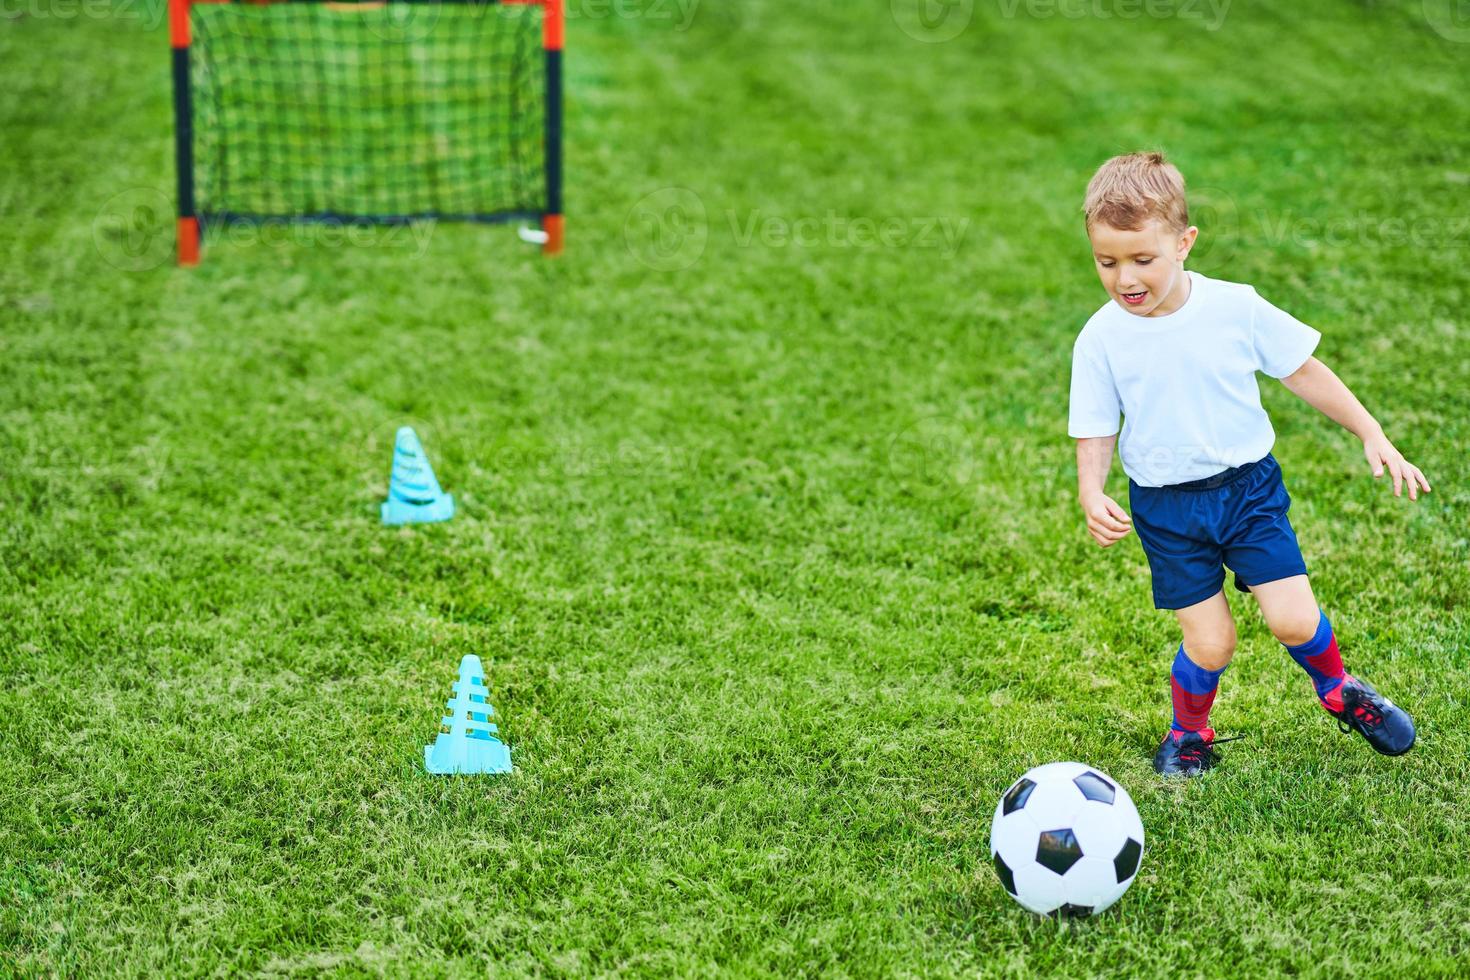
x=1133, y=299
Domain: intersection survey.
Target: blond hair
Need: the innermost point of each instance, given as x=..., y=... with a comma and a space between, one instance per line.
x=1129, y=191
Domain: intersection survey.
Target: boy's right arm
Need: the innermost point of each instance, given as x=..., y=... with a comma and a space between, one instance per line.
x=1106, y=521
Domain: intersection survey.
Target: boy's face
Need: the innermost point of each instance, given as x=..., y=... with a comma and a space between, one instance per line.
x=1143, y=270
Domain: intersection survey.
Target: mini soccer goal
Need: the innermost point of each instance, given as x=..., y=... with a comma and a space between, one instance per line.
x=367, y=112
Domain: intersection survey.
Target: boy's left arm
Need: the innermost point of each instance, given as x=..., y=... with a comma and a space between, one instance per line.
x=1316, y=385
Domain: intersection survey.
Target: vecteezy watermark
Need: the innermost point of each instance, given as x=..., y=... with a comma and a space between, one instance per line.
x=932, y=21
x=577, y=459
x=668, y=229
x=149, y=13
x=396, y=23
x=834, y=230
x=1449, y=18
x=1162, y=465
x=679, y=13
x=34, y=453
x=1365, y=230
x=933, y=458
x=1215, y=212
x=460, y=456
x=372, y=457
x=408, y=22
x=408, y=236
x=133, y=230
x=1210, y=13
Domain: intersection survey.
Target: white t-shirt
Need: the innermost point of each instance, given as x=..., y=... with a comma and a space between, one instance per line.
x=1186, y=382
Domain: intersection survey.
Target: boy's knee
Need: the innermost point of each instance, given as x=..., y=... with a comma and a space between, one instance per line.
x=1213, y=651
x=1297, y=628
x=1210, y=656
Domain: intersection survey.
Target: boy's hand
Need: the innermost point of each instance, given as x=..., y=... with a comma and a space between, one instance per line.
x=1106, y=521
x=1380, y=453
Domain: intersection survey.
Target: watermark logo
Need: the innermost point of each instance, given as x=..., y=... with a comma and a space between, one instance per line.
x=834, y=230
x=932, y=21
x=283, y=233
x=1163, y=465
x=668, y=229
x=1449, y=18
x=149, y=13
x=393, y=23
x=396, y=23
x=933, y=458
x=1215, y=213
x=679, y=13
x=409, y=22
x=133, y=231
x=372, y=458
x=936, y=21
x=572, y=458
x=1210, y=13
x=1364, y=230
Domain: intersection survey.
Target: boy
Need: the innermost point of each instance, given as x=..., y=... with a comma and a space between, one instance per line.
x=1177, y=353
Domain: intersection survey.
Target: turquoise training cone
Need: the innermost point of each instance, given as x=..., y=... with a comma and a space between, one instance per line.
x=467, y=742
x=414, y=495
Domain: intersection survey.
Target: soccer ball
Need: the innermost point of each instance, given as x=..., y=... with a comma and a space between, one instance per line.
x=1066, y=840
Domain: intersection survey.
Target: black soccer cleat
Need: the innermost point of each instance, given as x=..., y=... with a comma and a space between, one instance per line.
x=1185, y=753
x=1386, y=726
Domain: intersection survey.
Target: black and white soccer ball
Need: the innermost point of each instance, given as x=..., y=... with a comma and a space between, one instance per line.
x=1066, y=839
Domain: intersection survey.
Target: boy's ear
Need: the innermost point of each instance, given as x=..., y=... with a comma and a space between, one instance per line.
x=1187, y=240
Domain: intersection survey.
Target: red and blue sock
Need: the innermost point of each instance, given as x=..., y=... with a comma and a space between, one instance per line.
x=1194, y=690
x=1321, y=660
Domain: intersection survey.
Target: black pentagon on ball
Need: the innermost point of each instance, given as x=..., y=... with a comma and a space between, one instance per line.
x=1007, y=878
x=1017, y=795
x=1058, y=850
x=1126, y=863
x=1070, y=911
x=1096, y=788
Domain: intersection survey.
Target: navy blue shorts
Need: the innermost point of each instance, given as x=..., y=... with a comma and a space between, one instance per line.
x=1236, y=518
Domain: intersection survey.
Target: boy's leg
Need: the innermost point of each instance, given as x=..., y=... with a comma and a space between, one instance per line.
x=1298, y=623
x=1209, y=631
x=1209, y=644
x=1290, y=610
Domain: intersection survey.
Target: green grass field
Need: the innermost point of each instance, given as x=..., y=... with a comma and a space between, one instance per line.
x=767, y=529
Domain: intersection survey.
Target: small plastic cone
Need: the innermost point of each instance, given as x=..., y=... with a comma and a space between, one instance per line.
x=414, y=494
x=467, y=744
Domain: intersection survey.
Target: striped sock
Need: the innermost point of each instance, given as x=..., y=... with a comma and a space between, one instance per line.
x=1194, y=690
x=1322, y=662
